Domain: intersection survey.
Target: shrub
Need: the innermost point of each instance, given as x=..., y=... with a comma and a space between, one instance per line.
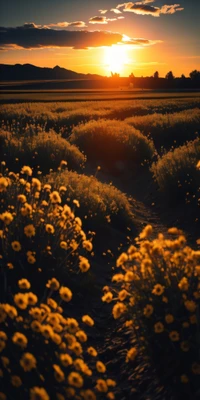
x=112, y=144
x=157, y=293
x=176, y=172
x=42, y=151
x=168, y=130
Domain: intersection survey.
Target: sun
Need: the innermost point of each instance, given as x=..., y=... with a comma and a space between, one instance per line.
x=115, y=58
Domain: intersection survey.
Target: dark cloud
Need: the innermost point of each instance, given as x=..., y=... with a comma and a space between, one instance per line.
x=141, y=41
x=30, y=37
x=101, y=20
x=143, y=8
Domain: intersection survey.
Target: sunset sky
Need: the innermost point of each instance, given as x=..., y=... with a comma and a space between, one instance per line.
x=102, y=36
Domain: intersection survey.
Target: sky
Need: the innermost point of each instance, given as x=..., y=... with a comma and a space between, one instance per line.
x=89, y=36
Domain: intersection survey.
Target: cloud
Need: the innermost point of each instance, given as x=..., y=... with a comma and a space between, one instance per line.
x=77, y=24
x=144, y=8
x=31, y=37
x=116, y=11
x=140, y=41
x=103, y=11
x=101, y=20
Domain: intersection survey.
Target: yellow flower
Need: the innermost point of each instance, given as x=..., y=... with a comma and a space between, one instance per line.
x=16, y=246
x=122, y=295
x=66, y=360
x=88, y=395
x=26, y=170
x=6, y=217
x=63, y=245
x=31, y=259
x=58, y=373
x=118, y=310
x=84, y=264
x=131, y=354
x=50, y=228
x=2, y=345
x=81, y=335
x=100, y=367
x=158, y=290
x=184, y=379
x=3, y=336
x=36, y=184
x=47, y=331
x=16, y=381
x=22, y=198
x=87, y=245
x=185, y=346
x=101, y=385
x=55, y=197
x=3, y=184
x=20, y=339
x=53, y=284
x=174, y=336
x=28, y=362
x=10, y=311
x=148, y=310
x=147, y=231
x=107, y=297
x=196, y=368
x=169, y=318
x=183, y=284
x=190, y=305
x=21, y=301
x=111, y=382
x=24, y=284
x=31, y=298
x=75, y=379
x=65, y=293
x=29, y=230
x=158, y=327
x=38, y=393
x=121, y=259
x=87, y=320
x=92, y=352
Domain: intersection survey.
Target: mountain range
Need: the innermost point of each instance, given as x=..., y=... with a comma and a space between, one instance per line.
x=24, y=72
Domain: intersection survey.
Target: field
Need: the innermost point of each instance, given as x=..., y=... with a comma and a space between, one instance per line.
x=99, y=245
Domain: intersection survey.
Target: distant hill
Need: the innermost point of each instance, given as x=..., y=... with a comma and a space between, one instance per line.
x=19, y=72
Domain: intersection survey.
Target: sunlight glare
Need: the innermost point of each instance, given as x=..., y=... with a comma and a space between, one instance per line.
x=116, y=57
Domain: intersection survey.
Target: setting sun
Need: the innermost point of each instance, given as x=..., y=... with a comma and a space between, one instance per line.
x=116, y=57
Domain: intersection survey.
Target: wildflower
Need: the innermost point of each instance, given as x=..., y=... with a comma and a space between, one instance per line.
x=65, y=293
x=111, y=382
x=122, y=295
x=21, y=300
x=88, y=395
x=3, y=336
x=118, y=310
x=107, y=297
x=100, y=367
x=91, y=351
x=101, y=385
x=174, y=231
x=121, y=259
x=36, y=326
x=75, y=379
x=158, y=327
x=184, y=378
x=196, y=368
x=118, y=278
x=16, y=381
x=46, y=331
x=2, y=345
x=169, y=318
x=38, y=393
x=31, y=298
x=84, y=264
x=183, y=284
x=31, y=259
x=147, y=231
x=87, y=245
x=26, y=170
x=6, y=217
x=131, y=354
x=190, y=305
x=3, y=184
x=174, y=336
x=49, y=228
x=66, y=360
x=28, y=362
x=87, y=320
x=158, y=290
x=76, y=202
x=63, y=245
x=36, y=184
x=55, y=197
x=22, y=198
x=185, y=346
x=10, y=310
x=148, y=310
x=20, y=340
x=53, y=284
x=16, y=246
x=24, y=284
x=62, y=189
x=81, y=335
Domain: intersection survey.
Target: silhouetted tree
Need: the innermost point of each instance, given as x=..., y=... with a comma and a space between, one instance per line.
x=132, y=76
x=170, y=76
x=195, y=75
x=183, y=77
x=115, y=75
x=156, y=75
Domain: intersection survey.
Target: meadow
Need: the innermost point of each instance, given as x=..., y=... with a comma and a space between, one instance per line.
x=100, y=249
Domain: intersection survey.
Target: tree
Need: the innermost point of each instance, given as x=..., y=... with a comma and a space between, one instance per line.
x=156, y=75
x=131, y=76
x=115, y=75
x=170, y=76
x=195, y=75
x=183, y=76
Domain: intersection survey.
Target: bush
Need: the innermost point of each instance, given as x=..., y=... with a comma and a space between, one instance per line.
x=176, y=172
x=168, y=130
x=43, y=151
x=157, y=294
x=113, y=144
